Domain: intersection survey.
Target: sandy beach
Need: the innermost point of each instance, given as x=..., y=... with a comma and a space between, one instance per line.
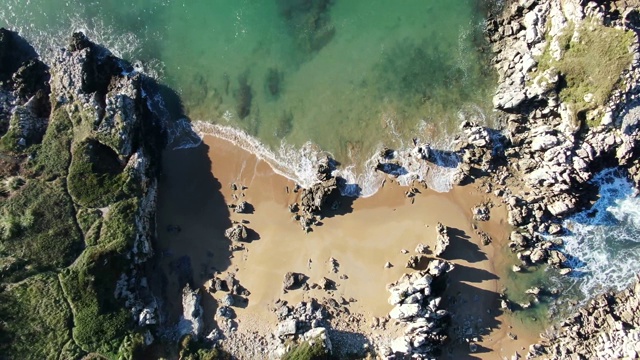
x=362, y=235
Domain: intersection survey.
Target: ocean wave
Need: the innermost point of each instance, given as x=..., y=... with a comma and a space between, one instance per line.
x=604, y=244
x=299, y=163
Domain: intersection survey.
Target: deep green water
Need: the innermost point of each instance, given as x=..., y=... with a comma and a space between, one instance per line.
x=347, y=75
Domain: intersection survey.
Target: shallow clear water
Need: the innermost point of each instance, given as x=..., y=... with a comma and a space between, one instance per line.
x=347, y=75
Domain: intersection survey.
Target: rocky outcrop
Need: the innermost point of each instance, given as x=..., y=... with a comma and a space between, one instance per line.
x=306, y=322
x=417, y=307
x=82, y=124
x=236, y=233
x=293, y=281
x=442, y=240
x=313, y=200
x=607, y=328
x=191, y=321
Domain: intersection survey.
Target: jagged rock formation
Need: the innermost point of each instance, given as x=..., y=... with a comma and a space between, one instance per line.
x=417, y=307
x=442, y=240
x=607, y=328
x=550, y=146
x=191, y=322
x=313, y=200
x=561, y=128
x=236, y=233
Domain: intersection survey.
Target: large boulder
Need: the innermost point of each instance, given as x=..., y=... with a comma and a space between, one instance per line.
x=293, y=280
x=237, y=232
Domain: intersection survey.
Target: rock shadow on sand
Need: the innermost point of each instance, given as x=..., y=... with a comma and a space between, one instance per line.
x=190, y=199
x=477, y=311
x=461, y=247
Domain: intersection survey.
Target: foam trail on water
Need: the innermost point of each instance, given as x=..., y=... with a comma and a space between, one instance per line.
x=298, y=165
x=605, y=241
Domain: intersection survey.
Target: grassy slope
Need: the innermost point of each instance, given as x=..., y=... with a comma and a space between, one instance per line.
x=60, y=257
x=592, y=63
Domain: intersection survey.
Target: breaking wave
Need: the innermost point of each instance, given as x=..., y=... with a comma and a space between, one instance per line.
x=604, y=244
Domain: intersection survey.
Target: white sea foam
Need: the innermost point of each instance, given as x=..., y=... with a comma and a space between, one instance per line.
x=605, y=240
x=299, y=164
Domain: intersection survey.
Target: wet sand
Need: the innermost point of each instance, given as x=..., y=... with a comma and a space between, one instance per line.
x=362, y=235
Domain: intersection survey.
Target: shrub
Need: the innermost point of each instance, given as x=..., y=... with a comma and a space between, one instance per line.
x=305, y=351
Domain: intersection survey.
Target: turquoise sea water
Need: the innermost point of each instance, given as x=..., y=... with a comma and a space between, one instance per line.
x=350, y=76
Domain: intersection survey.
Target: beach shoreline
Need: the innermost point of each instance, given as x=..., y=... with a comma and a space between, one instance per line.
x=361, y=236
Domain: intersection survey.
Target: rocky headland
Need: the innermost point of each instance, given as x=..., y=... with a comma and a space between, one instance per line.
x=80, y=150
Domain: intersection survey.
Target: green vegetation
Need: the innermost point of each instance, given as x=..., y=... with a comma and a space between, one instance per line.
x=591, y=63
x=35, y=319
x=191, y=349
x=37, y=225
x=305, y=351
x=54, y=155
x=90, y=221
x=9, y=141
x=67, y=226
x=100, y=321
x=96, y=176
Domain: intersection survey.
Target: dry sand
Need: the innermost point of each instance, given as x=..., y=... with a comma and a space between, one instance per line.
x=362, y=236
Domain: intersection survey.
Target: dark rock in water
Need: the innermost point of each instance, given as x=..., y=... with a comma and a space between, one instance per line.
x=14, y=52
x=78, y=42
x=293, y=280
x=538, y=255
x=237, y=232
x=274, y=81
x=244, y=97
x=309, y=23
